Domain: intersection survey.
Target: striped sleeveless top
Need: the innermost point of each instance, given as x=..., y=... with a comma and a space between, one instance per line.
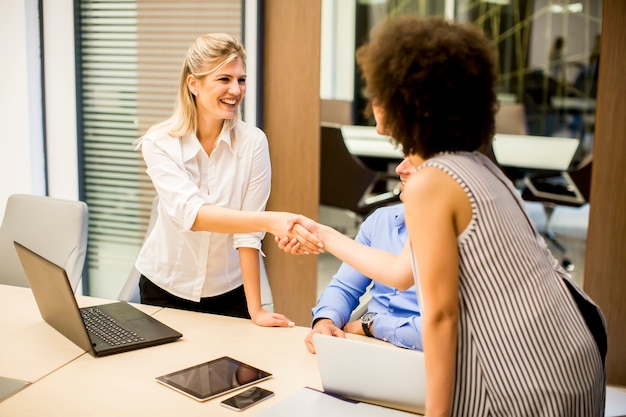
x=524, y=348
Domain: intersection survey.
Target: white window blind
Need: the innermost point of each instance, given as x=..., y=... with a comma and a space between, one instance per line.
x=130, y=57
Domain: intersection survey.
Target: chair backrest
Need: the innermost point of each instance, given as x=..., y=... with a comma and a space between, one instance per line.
x=344, y=179
x=336, y=111
x=571, y=188
x=130, y=290
x=581, y=176
x=54, y=228
x=511, y=119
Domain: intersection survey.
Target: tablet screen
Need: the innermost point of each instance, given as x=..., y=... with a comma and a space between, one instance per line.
x=210, y=379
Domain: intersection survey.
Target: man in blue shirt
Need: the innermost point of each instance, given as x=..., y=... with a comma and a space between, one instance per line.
x=392, y=315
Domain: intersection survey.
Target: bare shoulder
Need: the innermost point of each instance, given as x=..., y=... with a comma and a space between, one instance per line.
x=430, y=181
x=431, y=190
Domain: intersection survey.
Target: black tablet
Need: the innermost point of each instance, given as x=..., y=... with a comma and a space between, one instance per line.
x=211, y=379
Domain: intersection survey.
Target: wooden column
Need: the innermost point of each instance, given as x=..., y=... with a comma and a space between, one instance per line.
x=605, y=261
x=291, y=120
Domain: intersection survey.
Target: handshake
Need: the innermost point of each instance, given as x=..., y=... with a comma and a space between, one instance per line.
x=301, y=236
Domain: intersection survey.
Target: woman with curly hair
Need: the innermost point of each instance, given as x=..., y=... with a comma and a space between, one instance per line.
x=505, y=330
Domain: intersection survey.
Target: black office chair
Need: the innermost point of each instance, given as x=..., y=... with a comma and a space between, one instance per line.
x=345, y=181
x=571, y=188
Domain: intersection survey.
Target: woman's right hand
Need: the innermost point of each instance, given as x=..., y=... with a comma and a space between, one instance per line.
x=297, y=234
x=290, y=246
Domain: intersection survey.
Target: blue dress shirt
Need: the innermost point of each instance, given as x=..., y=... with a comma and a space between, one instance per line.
x=398, y=319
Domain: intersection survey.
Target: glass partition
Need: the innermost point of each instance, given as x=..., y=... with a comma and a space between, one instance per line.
x=547, y=57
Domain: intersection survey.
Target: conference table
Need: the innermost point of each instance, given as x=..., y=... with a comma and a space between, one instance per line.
x=581, y=104
x=66, y=381
x=516, y=151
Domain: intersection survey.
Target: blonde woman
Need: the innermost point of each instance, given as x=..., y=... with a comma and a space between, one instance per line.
x=212, y=174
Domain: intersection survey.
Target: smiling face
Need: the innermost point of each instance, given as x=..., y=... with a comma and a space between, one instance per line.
x=219, y=94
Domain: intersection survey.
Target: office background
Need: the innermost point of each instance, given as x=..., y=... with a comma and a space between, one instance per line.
x=291, y=80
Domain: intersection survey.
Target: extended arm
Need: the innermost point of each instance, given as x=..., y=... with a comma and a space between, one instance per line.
x=185, y=203
x=379, y=265
x=225, y=220
x=431, y=199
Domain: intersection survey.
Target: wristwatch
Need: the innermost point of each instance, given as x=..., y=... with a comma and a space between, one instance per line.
x=366, y=321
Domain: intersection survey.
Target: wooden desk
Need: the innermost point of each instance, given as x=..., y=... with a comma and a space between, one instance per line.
x=124, y=385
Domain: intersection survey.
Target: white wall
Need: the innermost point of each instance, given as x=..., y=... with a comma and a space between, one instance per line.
x=60, y=102
x=22, y=158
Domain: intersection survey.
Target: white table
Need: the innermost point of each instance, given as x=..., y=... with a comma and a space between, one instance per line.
x=583, y=104
x=519, y=151
x=363, y=141
x=534, y=152
x=30, y=348
x=70, y=382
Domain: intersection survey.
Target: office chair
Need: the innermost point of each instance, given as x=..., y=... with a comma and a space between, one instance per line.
x=130, y=290
x=345, y=181
x=570, y=188
x=54, y=228
x=511, y=119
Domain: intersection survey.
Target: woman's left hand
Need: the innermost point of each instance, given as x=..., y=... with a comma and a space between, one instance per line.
x=268, y=319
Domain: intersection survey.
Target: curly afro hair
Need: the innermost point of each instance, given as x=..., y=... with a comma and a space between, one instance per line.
x=434, y=81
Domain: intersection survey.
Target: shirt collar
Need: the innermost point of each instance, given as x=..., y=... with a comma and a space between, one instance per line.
x=398, y=220
x=190, y=145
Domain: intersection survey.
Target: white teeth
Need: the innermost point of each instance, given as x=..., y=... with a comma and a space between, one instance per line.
x=231, y=102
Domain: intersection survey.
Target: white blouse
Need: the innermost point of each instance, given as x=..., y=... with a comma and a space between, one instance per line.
x=237, y=175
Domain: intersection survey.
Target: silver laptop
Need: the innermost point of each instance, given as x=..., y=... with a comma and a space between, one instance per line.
x=101, y=330
x=371, y=372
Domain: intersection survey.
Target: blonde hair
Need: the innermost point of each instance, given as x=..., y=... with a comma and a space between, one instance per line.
x=206, y=55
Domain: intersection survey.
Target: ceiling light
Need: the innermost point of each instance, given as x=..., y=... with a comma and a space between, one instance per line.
x=566, y=8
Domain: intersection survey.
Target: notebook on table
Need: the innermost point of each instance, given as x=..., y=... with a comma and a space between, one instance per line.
x=375, y=373
x=101, y=330
x=308, y=402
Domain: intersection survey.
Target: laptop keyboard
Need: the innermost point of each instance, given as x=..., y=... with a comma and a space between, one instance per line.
x=106, y=328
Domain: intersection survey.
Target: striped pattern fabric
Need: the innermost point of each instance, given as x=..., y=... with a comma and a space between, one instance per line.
x=524, y=348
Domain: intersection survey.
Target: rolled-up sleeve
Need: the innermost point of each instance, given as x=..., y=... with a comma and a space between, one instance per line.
x=257, y=191
x=341, y=296
x=401, y=331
